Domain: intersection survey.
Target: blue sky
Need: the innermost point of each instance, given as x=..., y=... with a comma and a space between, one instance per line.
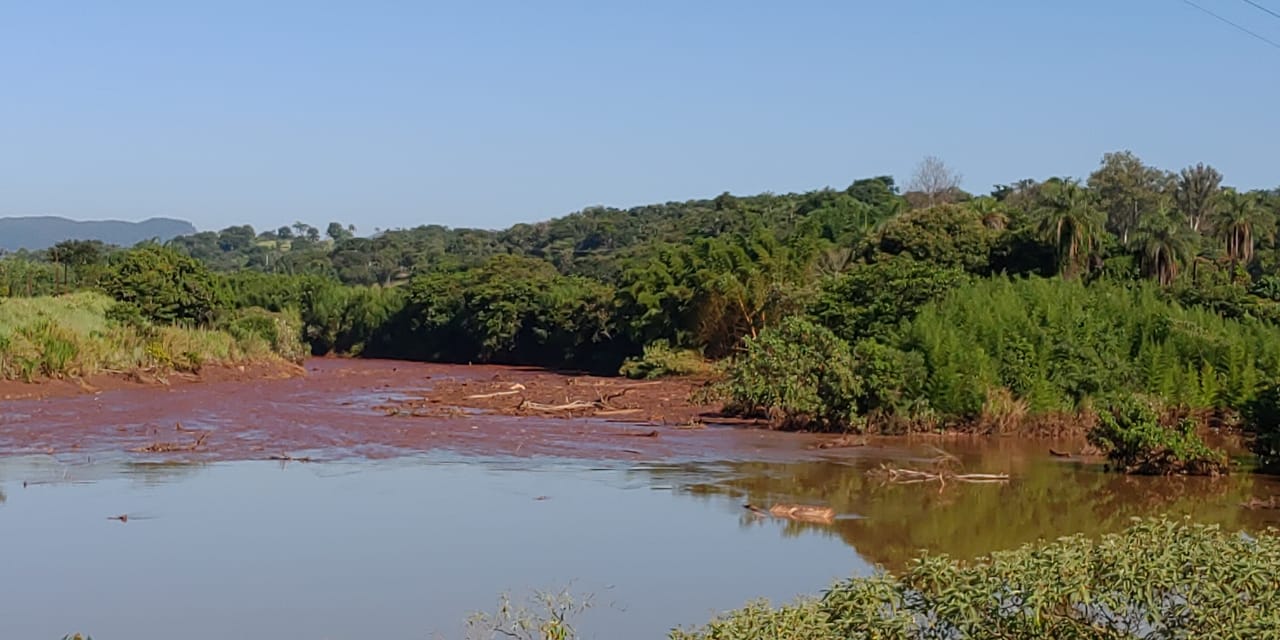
x=393, y=114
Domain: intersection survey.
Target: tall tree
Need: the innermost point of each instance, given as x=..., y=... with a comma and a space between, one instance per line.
x=1237, y=222
x=1197, y=195
x=1128, y=191
x=935, y=180
x=1164, y=242
x=1067, y=219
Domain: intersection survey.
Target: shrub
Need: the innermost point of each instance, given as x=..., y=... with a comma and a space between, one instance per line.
x=799, y=375
x=1134, y=438
x=1263, y=417
x=660, y=360
x=1157, y=580
x=165, y=285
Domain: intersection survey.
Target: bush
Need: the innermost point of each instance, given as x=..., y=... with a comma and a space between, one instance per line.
x=281, y=331
x=164, y=285
x=660, y=360
x=1131, y=433
x=1157, y=580
x=1262, y=416
x=799, y=375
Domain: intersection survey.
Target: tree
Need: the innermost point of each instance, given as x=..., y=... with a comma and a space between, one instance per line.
x=935, y=180
x=1164, y=243
x=1128, y=190
x=1236, y=222
x=338, y=233
x=1068, y=220
x=284, y=233
x=165, y=285
x=1197, y=194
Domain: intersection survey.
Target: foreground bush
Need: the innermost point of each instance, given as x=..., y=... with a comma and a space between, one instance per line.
x=1157, y=580
x=799, y=375
x=1131, y=433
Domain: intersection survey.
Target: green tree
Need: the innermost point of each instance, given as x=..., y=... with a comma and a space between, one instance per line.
x=1197, y=195
x=1236, y=223
x=1164, y=244
x=1068, y=220
x=165, y=285
x=1128, y=191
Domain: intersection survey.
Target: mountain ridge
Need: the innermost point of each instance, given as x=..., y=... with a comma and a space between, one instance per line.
x=41, y=232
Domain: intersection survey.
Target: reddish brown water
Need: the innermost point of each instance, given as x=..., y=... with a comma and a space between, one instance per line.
x=403, y=524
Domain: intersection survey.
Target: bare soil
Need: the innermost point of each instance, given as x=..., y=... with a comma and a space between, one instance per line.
x=377, y=409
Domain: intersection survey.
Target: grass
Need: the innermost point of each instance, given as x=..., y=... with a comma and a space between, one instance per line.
x=71, y=335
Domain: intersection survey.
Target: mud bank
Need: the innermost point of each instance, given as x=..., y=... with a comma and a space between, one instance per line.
x=381, y=409
x=141, y=380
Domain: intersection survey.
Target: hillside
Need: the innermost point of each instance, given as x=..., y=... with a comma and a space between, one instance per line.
x=41, y=232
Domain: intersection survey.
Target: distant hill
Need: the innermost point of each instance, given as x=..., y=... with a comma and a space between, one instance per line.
x=42, y=232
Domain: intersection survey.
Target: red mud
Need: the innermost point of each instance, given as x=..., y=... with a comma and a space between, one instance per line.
x=375, y=409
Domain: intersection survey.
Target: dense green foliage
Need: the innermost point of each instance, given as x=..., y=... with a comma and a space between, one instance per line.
x=1156, y=580
x=1037, y=302
x=1133, y=435
x=800, y=375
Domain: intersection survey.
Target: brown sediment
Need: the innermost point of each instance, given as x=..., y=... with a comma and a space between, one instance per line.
x=380, y=409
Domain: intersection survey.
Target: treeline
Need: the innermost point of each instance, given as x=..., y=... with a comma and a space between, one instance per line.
x=840, y=308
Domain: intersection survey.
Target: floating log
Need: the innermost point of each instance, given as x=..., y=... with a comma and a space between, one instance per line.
x=797, y=512
x=913, y=476
x=1059, y=454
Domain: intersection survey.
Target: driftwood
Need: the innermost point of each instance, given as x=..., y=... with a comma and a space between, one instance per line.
x=172, y=447
x=797, y=512
x=284, y=457
x=571, y=406
x=643, y=434
x=1059, y=454
x=842, y=442
x=915, y=476
x=1270, y=503
x=511, y=391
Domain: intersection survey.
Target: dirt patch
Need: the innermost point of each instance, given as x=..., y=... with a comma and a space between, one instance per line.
x=100, y=382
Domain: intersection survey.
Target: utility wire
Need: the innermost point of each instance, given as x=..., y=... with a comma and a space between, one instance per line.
x=1263, y=8
x=1236, y=25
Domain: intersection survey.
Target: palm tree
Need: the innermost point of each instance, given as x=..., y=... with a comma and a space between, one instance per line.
x=1237, y=222
x=1197, y=194
x=1067, y=219
x=1164, y=242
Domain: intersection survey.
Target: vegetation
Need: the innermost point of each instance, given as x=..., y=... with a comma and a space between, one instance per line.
x=931, y=308
x=1157, y=579
x=1132, y=434
x=74, y=335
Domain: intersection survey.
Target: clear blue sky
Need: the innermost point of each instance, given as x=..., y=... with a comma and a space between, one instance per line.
x=391, y=114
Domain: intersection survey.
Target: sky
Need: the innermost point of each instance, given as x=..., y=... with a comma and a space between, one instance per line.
x=485, y=114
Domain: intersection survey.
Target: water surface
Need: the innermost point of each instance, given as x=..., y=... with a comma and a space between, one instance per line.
x=406, y=548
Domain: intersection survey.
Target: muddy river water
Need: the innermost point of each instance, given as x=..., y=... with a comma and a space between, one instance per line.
x=399, y=527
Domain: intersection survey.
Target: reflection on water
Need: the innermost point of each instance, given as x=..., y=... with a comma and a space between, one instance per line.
x=889, y=524
x=407, y=548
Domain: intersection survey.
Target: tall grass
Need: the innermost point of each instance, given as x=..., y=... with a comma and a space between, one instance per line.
x=71, y=335
x=1055, y=344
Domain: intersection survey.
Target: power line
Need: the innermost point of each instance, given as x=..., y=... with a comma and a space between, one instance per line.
x=1263, y=8
x=1236, y=25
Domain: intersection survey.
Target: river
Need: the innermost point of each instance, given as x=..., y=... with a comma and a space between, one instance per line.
x=388, y=535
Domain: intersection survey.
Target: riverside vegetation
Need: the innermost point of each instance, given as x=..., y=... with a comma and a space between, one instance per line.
x=1045, y=302
x=1143, y=303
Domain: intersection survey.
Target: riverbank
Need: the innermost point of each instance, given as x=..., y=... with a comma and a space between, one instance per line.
x=141, y=380
x=361, y=409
